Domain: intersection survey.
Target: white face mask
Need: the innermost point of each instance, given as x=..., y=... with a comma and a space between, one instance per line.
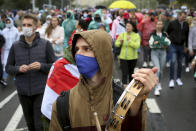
x=194, y=23
x=8, y=25
x=48, y=22
x=85, y=15
x=28, y=32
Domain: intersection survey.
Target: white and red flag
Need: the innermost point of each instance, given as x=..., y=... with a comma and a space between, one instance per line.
x=62, y=77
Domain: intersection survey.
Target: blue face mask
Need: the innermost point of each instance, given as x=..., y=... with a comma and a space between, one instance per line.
x=87, y=66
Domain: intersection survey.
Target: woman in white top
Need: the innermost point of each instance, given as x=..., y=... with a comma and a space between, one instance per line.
x=55, y=34
x=11, y=35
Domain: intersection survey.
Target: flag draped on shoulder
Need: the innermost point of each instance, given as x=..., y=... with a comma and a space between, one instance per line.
x=62, y=76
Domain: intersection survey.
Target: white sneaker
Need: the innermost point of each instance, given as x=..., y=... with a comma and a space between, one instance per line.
x=150, y=64
x=171, y=83
x=159, y=87
x=187, y=69
x=156, y=92
x=167, y=64
x=145, y=64
x=179, y=82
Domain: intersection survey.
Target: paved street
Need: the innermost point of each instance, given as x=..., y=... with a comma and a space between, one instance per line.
x=174, y=110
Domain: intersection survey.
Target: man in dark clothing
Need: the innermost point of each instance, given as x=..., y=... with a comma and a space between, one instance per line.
x=2, y=42
x=29, y=60
x=178, y=31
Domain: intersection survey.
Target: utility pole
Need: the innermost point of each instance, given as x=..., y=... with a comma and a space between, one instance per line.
x=33, y=5
x=78, y=3
x=50, y=3
x=62, y=4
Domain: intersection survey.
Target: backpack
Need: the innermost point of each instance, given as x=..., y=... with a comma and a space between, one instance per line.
x=62, y=105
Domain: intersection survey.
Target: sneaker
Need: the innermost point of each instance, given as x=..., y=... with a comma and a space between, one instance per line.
x=3, y=82
x=145, y=64
x=171, y=83
x=159, y=87
x=156, y=92
x=179, y=82
x=167, y=64
x=187, y=69
x=150, y=64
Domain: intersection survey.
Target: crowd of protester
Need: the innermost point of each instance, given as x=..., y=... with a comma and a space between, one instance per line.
x=162, y=36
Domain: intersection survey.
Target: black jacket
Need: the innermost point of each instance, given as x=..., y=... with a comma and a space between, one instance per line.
x=177, y=35
x=2, y=41
x=32, y=82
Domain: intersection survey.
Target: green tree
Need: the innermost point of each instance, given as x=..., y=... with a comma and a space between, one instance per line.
x=189, y=3
x=1, y=2
x=16, y=4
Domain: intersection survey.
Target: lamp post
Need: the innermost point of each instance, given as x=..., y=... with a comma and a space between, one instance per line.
x=33, y=5
x=62, y=4
x=50, y=3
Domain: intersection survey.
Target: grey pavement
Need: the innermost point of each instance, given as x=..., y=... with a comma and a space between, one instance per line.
x=177, y=105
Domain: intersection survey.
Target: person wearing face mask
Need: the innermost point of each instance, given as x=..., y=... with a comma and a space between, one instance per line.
x=94, y=91
x=97, y=19
x=29, y=60
x=69, y=26
x=48, y=21
x=106, y=18
x=11, y=35
x=55, y=34
x=146, y=28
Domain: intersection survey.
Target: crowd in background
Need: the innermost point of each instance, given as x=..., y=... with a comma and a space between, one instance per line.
x=158, y=38
x=133, y=32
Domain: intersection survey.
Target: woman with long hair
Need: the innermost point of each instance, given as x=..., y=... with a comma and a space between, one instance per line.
x=55, y=34
x=158, y=43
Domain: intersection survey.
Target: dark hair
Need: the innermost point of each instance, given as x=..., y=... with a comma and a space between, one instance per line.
x=83, y=24
x=97, y=18
x=30, y=16
x=133, y=25
x=68, y=15
x=181, y=12
x=3, y=16
x=50, y=27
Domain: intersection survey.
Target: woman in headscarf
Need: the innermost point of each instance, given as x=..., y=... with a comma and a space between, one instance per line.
x=69, y=26
x=11, y=35
x=97, y=19
x=94, y=92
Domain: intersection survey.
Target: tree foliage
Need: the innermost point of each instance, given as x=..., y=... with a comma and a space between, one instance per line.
x=189, y=3
x=16, y=4
x=1, y=2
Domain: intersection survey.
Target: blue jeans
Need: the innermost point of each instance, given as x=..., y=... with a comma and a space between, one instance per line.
x=177, y=52
x=158, y=59
x=168, y=56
